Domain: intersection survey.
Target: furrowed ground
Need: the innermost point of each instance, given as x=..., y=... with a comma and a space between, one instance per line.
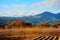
x=29, y=33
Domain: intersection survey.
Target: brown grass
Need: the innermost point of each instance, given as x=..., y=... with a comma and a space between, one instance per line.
x=29, y=33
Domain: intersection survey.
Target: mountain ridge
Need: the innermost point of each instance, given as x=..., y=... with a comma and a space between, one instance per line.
x=46, y=16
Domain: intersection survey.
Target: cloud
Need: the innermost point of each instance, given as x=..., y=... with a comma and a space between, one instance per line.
x=13, y=10
x=19, y=10
x=6, y=13
x=33, y=12
x=47, y=4
x=15, y=6
x=12, y=13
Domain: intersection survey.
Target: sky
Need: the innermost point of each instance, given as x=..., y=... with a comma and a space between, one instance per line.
x=20, y=8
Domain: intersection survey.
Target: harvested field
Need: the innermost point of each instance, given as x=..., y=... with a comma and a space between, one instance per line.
x=28, y=33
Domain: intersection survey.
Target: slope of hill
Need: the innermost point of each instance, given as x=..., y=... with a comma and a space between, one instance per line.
x=46, y=16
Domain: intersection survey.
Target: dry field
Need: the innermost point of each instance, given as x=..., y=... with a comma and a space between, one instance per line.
x=28, y=33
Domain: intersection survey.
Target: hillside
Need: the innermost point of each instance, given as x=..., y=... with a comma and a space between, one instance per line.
x=39, y=18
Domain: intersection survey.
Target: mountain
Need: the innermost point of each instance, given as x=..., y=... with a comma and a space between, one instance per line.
x=46, y=16
x=50, y=17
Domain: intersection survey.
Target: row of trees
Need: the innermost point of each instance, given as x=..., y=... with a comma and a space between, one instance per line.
x=20, y=23
x=46, y=24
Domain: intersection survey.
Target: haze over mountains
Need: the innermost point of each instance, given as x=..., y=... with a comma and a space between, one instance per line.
x=46, y=16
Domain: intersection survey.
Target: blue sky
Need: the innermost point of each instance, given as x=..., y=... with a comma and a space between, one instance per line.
x=19, y=8
x=19, y=1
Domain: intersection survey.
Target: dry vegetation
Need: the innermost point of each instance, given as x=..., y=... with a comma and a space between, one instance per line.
x=19, y=30
x=29, y=33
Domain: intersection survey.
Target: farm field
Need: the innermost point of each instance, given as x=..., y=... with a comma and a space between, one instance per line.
x=28, y=33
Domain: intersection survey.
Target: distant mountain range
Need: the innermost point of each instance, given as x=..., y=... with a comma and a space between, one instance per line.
x=46, y=16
